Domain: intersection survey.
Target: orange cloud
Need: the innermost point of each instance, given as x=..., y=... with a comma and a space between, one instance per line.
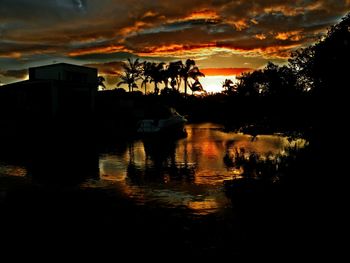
x=11, y=55
x=268, y=51
x=204, y=14
x=150, y=14
x=224, y=71
x=176, y=49
x=254, y=21
x=97, y=50
x=240, y=24
x=293, y=35
x=260, y=36
x=137, y=26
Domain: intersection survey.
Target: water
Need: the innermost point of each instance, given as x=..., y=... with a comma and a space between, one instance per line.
x=186, y=174
x=152, y=195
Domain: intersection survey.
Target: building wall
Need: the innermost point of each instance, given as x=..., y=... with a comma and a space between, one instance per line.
x=55, y=91
x=64, y=72
x=26, y=100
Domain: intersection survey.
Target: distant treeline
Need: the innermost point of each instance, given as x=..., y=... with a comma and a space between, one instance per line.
x=173, y=74
x=306, y=92
x=318, y=69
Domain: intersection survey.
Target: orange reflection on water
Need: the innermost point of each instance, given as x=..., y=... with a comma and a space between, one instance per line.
x=204, y=207
x=188, y=172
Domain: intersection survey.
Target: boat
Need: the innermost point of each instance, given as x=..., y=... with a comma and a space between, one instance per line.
x=171, y=123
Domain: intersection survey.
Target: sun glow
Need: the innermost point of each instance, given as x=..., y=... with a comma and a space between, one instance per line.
x=213, y=84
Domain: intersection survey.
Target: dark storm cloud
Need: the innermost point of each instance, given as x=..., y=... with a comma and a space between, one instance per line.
x=106, y=57
x=99, y=30
x=38, y=10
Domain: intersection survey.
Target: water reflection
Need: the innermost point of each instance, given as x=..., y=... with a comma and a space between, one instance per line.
x=190, y=172
x=158, y=163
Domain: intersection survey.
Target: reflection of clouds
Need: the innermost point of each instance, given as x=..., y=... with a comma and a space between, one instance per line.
x=189, y=172
x=207, y=146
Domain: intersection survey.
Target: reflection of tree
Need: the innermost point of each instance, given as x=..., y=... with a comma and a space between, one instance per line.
x=160, y=164
x=257, y=172
x=252, y=164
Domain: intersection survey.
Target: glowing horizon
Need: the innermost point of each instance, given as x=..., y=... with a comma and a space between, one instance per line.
x=213, y=84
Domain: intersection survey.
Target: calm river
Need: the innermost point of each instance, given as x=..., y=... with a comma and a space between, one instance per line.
x=186, y=173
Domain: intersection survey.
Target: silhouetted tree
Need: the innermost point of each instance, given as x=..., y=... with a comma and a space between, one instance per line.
x=189, y=70
x=146, y=74
x=128, y=79
x=300, y=65
x=228, y=86
x=132, y=73
x=322, y=64
x=157, y=74
x=249, y=83
x=196, y=86
x=100, y=82
x=174, y=71
x=280, y=81
x=271, y=81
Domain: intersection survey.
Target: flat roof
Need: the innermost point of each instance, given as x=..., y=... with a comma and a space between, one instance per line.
x=63, y=64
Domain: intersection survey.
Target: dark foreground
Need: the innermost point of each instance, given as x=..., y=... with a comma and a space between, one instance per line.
x=58, y=217
x=65, y=220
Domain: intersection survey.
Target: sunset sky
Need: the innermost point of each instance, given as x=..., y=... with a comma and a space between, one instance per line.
x=227, y=36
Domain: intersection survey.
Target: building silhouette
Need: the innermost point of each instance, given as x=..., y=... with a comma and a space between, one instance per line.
x=52, y=92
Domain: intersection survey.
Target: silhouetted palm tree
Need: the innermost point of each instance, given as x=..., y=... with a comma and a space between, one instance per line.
x=133, y=67
x=132, y=73
x=195, y=74
x=157, y=74
x=196, y=86
x=129, y=80
x=100, y=82
x=174, y=71
x=228, y=86
x=146, y=74
x=189, y=70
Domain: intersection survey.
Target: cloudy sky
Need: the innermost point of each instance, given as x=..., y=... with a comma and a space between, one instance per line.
x=236, y=34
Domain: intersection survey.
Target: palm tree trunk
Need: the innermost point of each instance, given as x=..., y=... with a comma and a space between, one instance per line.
x=129, y=87
x=179, y=81
x=156, y=90
x=185, y=87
